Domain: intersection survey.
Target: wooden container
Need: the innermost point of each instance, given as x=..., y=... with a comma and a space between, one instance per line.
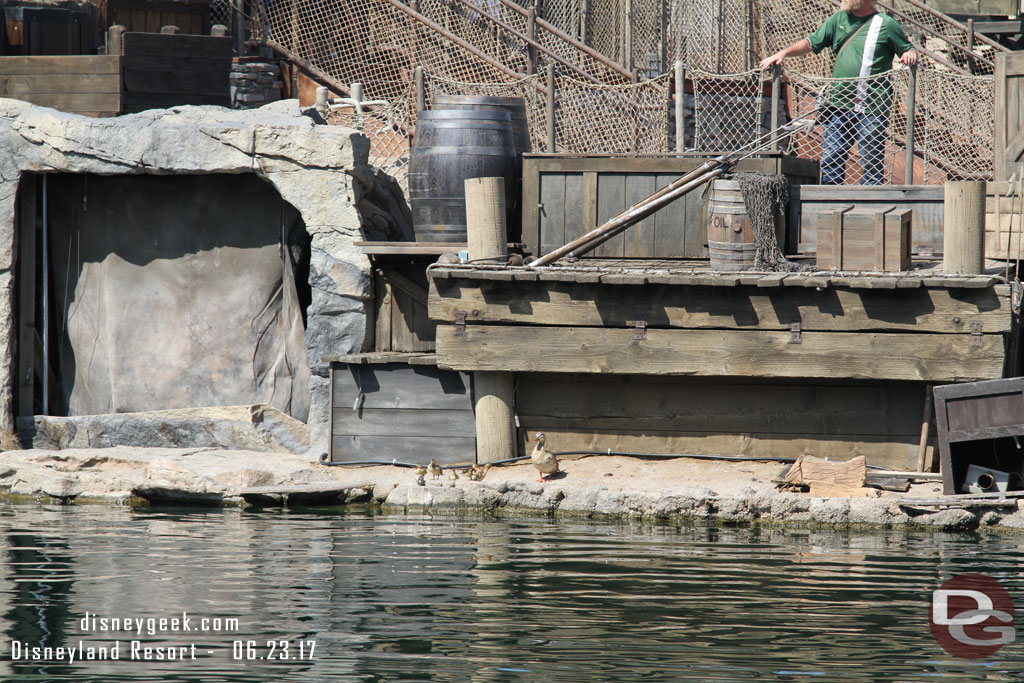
x=730, y=238
x=979, y=423
x=872, y=239
x=448, y=148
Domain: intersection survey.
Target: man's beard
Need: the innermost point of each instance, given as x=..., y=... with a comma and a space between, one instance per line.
x=850, y=5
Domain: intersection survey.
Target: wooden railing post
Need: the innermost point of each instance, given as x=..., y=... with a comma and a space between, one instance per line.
x=627, y=42
x=421, y=89
x=239, y=28
x=531, y=33
x=908, y=172
x=776, y=92
x=551, y=109
x=970, y=45
x=680, y=88
x=495, y=416
x=963, y=228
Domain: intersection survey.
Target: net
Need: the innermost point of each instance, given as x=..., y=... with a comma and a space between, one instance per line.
x=765, y=196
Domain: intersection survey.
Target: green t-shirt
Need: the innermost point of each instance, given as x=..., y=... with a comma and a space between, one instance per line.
x=890, y=42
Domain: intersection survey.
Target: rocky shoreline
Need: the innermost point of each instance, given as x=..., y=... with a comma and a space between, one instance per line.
x=596, y=487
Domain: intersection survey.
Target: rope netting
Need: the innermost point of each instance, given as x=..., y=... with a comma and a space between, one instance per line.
x=603, y=119
x=387, y=128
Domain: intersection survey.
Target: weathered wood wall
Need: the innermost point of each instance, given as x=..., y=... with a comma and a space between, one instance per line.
x=148, y=16
x=566, y=196
x=79, y=84
x=164, y=70
x=392, y=410
x=48, y=30
x=716, y=417
x=402, y=322
x=1009, y=114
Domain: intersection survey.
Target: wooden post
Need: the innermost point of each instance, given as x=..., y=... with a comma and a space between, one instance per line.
x=551, y=108
x=115, y=40
x=680, y=79
x=970, y=45
x=321, y=100
x=627, y=37
x=963, y=239
x=495, y=416
x=776, y=88
x=584, y=10
x=218, y=30
x=169, y=30
x=25, y=239
x=421, y=89
x=922, y=448
x=908, y=172
x=485, y=220
x=531, y=33
x=239, y=28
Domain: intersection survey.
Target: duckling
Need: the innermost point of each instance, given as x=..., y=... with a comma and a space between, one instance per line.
x=543, y=459
x=474, y=473
x=453, y=477
x=434, y=468
x=483, y=471
x=421, y=470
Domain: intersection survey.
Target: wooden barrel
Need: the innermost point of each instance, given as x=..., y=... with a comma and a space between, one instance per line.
x=730, y=237
x=516, y=108
x=449, y=147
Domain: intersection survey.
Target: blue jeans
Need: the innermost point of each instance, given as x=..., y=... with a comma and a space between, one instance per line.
x=840, y=131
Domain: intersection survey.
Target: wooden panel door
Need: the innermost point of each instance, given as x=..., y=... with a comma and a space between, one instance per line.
x=1009, y=109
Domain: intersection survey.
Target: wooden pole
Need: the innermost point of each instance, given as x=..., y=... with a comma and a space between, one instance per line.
x=922, y=449
x=963, y=240
x=970, y=45
x=627, y=47
x=531, y=33
x=908, y=172
x=485, y=220
x=115, y=40
x=776, y=92
x=239, y=27
x=421, y=89
x=495, y=416
x=680, y=86
x=551, y=108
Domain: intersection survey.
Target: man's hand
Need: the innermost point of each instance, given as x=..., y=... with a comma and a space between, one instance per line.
x=775, y=59
x=909, y=57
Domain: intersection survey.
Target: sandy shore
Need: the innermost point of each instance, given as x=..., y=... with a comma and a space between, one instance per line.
x=734, y=492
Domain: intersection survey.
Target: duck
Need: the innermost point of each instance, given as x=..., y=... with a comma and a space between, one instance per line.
x=453, y=476
x=434, y=468
x=543, y=459
x=477, y=473
x=421, y=470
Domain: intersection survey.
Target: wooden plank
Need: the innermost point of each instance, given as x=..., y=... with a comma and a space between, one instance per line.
x=864, y=355
x=670, y=224
x=170, y=80
x=639, y=240
x=25, y=239
x=611, y=200
x=573, y=207
x=383, y=303
x=410, y=248
x=831, y=309
x=447, y=450
x=531, y=206
x=156, y=44
x=411, y=327
x=17, y=86
x=552, y=213
x=397, y=385
x=78, y=103
x=589, y=201
x=401, y=422
x=45, y=65
x=679, y=405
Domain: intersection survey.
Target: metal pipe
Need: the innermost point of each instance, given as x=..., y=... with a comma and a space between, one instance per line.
x=46, y=298
x=922, y=447
x=551, y=108
x=908, y=171
x=421, y=89
x=776, y=87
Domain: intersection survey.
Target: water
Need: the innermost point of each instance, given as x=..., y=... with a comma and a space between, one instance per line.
x=468, y=599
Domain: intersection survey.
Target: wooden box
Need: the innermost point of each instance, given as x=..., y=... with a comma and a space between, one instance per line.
x=979, y=423
x=873, y=239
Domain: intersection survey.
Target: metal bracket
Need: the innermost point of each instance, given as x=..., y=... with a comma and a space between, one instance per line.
x=975, y=342
x=460, y=323
x=640, y=330
x=794, y=334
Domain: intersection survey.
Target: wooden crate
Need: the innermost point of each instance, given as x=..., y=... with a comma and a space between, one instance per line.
x=979, y=423
x=384, y=409
x=865, y=239
x=166, y=70
x=80, y=84
x=69, y=30
x=565, y=196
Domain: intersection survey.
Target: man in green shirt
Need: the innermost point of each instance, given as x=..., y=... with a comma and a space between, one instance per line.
x=864, y=43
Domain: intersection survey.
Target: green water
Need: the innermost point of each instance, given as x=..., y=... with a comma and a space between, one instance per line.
x=363, y=597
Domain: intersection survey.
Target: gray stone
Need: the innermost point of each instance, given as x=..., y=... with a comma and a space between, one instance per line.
x=1014, y=521
x=253, y=428
x=953, y=519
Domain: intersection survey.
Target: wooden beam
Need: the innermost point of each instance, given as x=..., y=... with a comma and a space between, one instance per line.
x=755, y=308
x=865, y=355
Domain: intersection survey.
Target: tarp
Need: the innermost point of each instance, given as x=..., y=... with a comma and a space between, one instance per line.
x=176, y=292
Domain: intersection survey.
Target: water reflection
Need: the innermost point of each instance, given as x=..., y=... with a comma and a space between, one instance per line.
x=451, y=599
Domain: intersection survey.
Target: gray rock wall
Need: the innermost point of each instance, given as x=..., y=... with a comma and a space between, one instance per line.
x=312, y=166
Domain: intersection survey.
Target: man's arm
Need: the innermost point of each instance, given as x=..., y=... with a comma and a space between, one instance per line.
x=797, y=49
